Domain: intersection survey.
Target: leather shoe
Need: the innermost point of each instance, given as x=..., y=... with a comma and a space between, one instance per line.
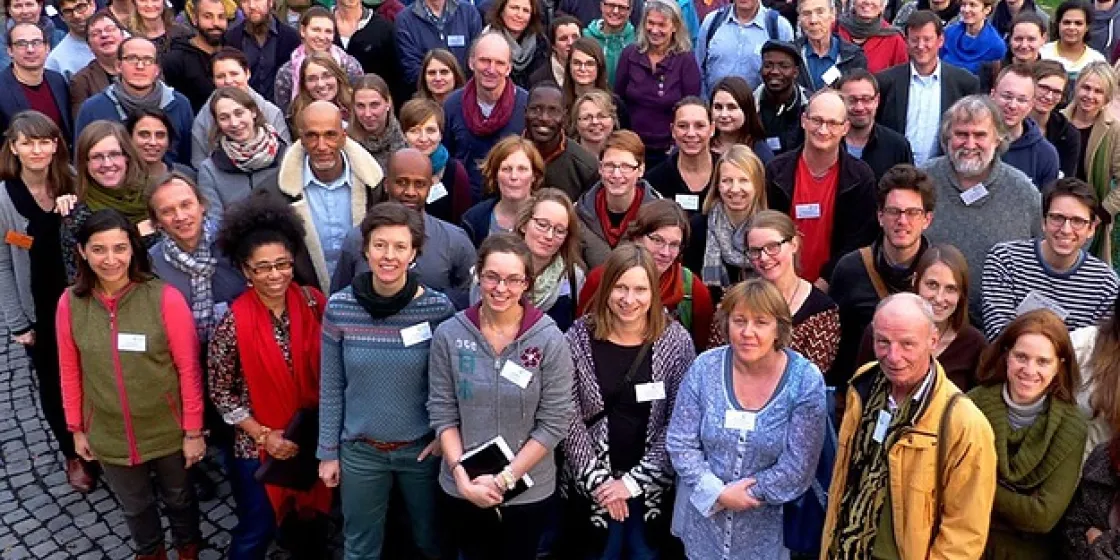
x=78, y=477
x=160, y=554
x=188, y=551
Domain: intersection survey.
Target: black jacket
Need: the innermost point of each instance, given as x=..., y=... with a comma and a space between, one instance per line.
x=541, y=57
x=886, y=149
x=1065, y=138
x=850, y=58
x=894, y=93
x=186, y=68
x=375, y=48
x=263, y=77
x=854, y=223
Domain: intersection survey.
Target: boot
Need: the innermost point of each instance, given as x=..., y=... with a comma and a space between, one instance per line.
x=188, y=551
x=160, y=554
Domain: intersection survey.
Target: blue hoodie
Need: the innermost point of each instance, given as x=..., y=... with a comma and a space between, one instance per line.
x=416, y=34
x=104, y=106
x=1034, y=155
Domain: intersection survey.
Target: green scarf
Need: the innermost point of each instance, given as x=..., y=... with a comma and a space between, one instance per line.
x=126, y=200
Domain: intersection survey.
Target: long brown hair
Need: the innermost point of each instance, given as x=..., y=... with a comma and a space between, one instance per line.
x=1104, y=401
x=237, y=95
x=34, y=125
x=135, y=175
x=954, y=260
x=371, y=82
x=139, y=267
x=342, y=99
x=592, y=48
x=993, y=362
x=626, y=256
x=445, y=57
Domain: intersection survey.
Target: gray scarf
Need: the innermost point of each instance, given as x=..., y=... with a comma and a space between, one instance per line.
x=725, y=245
x=381, y=147
x=860, y=29
x=523, y=50
x=127, y=103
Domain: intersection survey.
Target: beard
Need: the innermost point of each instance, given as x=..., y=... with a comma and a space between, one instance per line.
x=212, y=36
x=971, y=163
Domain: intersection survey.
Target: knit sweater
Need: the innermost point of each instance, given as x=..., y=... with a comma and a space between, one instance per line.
x=1011, y=210
x=1038, y=470
x=1092, y=507
x=1015, y=274
x=374, y=383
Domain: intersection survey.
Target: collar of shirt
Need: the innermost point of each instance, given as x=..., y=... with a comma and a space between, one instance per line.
x=925, y=80
x=309, y=178
x=759, y=19
x=833, y=50
x=920, y=393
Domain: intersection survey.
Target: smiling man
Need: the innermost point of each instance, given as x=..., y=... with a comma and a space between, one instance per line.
x=568, y=166
x=1029, y=151
x=878, y=146
x=72, y=53
x=1055, y=271
x=104, y=36
x=186, y=64
x=780, y=99
x=28, y=84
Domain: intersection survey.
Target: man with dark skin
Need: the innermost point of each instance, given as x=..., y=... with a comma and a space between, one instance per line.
x=186, y=66
x=782, y=100
x=409, y=178
x=323, y=135
x=568, y=166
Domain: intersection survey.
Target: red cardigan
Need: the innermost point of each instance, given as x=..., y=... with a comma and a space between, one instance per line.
x=882, y=52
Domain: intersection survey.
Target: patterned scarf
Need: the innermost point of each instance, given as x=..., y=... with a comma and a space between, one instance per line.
x=865, y=494
x=199, y=268
x=255, y=154
x=381, y=146
x=724, y=246
x=546, y=285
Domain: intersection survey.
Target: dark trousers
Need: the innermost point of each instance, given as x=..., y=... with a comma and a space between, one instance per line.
x=44, y=360
x=628, y=539
x=256, y=522
x=134, y=488
x=506, y=533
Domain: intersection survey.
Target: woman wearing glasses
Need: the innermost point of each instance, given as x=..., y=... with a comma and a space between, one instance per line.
x=499, y=369
x=594, y=118
x=772, y=248
x=263, y=369
x=513, y=169
x=1051, y=83
x=586, y=71
x=662, y=228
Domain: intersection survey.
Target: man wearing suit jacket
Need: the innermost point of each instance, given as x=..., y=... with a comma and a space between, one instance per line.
x=914, y=96
x=27, y=84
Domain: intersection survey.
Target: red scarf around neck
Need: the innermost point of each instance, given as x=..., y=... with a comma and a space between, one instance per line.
x=614, y=234
x=277, y=391
x=671, y=286
x=479, y=124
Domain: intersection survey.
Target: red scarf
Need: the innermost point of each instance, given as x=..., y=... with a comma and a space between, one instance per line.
x=614, y=234
x=671, y=286
x=483, y=126
x=277, y=391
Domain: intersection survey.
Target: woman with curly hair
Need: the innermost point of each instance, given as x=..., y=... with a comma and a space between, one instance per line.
x=263, y=371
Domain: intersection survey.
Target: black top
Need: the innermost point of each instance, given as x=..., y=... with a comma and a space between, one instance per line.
x=48, y=273
x=1082, y=173
x=628, y=420
x=666, y=179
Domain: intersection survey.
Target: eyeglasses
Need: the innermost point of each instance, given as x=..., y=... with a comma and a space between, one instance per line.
x=491, y=280
x=137, y=60
x=611, y=167
x=771, y=249
x=1058, y=221
x=77, y=9
x=608, y=7
x=815, y=123
x=861, y=99
x=1046, y=92
x=662, y=243
x=586, y=119
x=28, y=43
x=584, y=64
x=266, y=267
x=107, y=157
x=1008, y=97
x=107, y=30
x=911, y=213
x=544, y=226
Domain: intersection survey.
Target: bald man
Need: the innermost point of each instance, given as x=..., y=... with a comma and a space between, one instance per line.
x=817, y=179
x=488, y=109
x=902, y=412
x=330, y=181
x=445, y=261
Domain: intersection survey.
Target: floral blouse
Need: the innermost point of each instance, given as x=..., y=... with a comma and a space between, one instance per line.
x=228, y=390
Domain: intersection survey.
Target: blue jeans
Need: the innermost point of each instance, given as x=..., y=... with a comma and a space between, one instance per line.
x=367, y=479
x=627, y=540
x=256, y=522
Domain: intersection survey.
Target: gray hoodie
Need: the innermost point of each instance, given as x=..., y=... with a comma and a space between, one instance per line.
x=594, y=246
x=467, y=391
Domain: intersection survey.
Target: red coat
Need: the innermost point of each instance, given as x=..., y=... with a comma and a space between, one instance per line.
x=882, y=52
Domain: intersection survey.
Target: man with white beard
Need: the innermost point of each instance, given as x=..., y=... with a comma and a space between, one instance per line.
x=981, y=200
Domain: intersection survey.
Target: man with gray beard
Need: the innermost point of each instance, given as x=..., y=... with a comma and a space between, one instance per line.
x=981, y=200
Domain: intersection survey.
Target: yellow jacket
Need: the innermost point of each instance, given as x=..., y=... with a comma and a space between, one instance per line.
x=968, y=484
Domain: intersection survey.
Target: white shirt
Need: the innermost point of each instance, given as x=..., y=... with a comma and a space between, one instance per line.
x=923, y=113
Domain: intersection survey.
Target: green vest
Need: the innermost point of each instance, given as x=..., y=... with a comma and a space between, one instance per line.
x=130, y=399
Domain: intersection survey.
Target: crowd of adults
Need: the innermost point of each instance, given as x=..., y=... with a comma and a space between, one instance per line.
x=575, y=278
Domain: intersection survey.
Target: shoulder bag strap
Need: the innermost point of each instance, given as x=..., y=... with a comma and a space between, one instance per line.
x=942, y=451
x=869, y=266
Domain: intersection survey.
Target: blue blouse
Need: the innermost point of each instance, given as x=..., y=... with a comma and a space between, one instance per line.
x=780, y=453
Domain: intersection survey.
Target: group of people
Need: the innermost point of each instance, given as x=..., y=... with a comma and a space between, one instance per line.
x=585, y=279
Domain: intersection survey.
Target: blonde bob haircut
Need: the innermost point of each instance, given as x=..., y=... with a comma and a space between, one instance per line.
x=602, y=100
x=681, y=43
x=746, y=161
x=498, y=155
x=1102, y=71
x=600, y=319
x=757, y=296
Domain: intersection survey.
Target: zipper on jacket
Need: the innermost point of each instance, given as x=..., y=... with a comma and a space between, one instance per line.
x=133, y=451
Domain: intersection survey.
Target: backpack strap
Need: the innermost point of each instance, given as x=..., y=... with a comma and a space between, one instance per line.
x=720, y=18
x=942, y=451
x=772, y=24
x=876, y=280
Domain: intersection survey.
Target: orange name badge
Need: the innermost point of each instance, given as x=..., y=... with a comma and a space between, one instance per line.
x=17, y=239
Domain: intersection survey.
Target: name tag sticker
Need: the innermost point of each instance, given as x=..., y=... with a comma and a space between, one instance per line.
x=881, y=425
x=1035, y=300
x=132, y=342
x=18, y=239
x=688, y=201
x=516, y=374
x=970, y=196
x=739, y=420
x=145, y=228
x=807, y=211
x=437, y=192
x=647, y=392
x=456, y=41
x=831, y=75
x=416, y=334
x=50, y=10
x=774, y=142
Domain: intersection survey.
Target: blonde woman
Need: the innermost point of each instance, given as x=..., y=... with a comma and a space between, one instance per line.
x=594, y=118
x=737, y=193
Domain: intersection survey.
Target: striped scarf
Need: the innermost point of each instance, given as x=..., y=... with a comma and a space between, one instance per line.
x=199, y=267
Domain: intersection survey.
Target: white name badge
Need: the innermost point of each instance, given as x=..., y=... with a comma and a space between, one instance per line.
x=516, y=374
x=646, y=392
x=807, y=211
x=145, y=228
x=416, y=334
x=220, y=310
x=1035, y=300
x=131, y=342
x=688, y=201
x=831, y=75
x=456, y=41
x=739, y=420
x=774, y=142
x=437, y=192
x=970, y=196
x=881, y=425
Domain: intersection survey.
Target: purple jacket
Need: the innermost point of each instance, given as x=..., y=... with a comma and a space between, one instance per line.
x=650, y=95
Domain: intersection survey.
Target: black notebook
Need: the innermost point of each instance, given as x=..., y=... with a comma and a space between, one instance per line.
x=490, y=458
x=302, y=471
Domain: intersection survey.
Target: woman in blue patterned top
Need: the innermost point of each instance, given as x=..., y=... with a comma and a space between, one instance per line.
x=746, y=432
x=373, y=417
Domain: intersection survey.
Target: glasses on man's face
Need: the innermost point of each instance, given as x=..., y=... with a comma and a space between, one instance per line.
x=99, y=31
x=138, y=60
x=770, y=249
x=661, y=243
x=910, y=213
x=1008, y=97
x=610, y=168
x=79, y=8
x=106, y=158
x=544, y=227
x=24, y=44
x=1046, y=92
x=612, y=7
x=1058, y=221
x=815, y=123
x=267, y=267
x=491, y=280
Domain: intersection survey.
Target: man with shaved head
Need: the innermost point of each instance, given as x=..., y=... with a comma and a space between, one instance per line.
x=814, y=182
x=488, y=108
x=445, y=260
x=910, y=443
x=330, y=181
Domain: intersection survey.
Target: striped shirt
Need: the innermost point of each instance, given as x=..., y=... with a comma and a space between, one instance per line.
x=1016, y=277
x=372, y=385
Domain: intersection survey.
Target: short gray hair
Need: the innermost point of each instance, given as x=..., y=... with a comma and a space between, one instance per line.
x=912, y=299
x=486, y=33
x=970, y=109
